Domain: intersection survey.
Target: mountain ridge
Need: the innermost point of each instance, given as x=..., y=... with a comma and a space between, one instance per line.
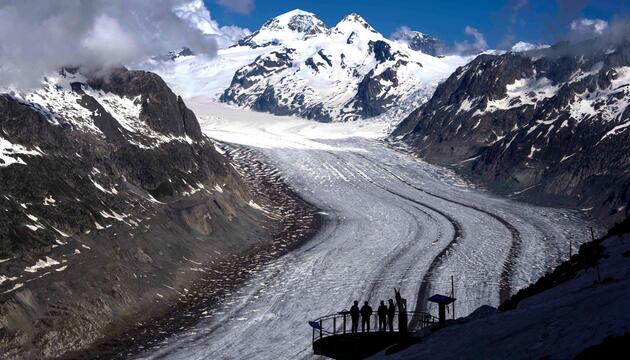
x=547, y=125
x=346, y=72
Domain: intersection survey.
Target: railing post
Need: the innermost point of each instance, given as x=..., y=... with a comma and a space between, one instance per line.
x=320, y=329
x=375, y=322
x=334, y=324
x=344, y=323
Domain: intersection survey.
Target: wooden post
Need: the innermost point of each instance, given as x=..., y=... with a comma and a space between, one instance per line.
x=599, y=279
x=344, y=323
x=453, y=294
x=321, y=335
x=592, y=234
x=334, y=324
x=570, y=248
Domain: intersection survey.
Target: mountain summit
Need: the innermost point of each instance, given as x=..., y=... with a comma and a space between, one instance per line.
x=350, y=22
x=418, y=41
x=347, y=72
x=293, y=25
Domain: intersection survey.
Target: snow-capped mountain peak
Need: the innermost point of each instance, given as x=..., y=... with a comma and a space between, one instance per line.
x=295, y=65
x=290, y=26
x=348, y=72
x=418, y=41
x=296, y=20
x=353, y=23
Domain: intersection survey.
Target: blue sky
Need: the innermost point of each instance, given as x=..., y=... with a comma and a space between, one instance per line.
x=501, y=21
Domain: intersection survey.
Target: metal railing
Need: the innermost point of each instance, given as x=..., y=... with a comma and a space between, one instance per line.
x=341, y=323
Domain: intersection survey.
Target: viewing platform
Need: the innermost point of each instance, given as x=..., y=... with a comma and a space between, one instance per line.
x=333, y=338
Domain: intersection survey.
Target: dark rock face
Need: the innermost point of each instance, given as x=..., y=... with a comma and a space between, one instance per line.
x=325, y=57
x=371, y=98
x=382, y=50
x=110, y=195
x=161, y=110
x=264, y=65
x=425, y=44
x=420, y=42
x=549, y=125
x=267, y=99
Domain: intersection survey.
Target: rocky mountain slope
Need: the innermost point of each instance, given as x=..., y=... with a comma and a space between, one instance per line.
x=551, y=125
x=346, y=72
x=112, y=203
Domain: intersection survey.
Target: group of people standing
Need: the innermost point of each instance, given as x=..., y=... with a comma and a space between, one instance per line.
x=385, y=316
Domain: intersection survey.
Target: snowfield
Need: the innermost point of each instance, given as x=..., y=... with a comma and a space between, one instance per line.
x=390, y=220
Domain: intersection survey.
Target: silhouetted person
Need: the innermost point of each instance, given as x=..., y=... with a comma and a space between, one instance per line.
x=354, y=314
x=402, y=303
x=402, y=311
x=382, y=317
x=366, y=313
x=391, y=311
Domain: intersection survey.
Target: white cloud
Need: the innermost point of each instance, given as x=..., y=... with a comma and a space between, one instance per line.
x=39, y=37
x=110, y=43
x=525, y=46
x=467, y=48
x=589, y=26
x=196, y=13
x=402, y=33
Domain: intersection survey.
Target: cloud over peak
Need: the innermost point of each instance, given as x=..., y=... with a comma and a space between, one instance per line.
x=589, y=26
x=468, y=48
x=39, y=37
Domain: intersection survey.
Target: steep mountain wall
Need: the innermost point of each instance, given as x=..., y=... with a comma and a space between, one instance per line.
x=549, y=125
x=112, y=203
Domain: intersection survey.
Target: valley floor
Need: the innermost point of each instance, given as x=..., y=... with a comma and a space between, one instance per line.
x=390, y=220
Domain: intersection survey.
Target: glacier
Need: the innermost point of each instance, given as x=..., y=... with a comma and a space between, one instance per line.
x=390, y=220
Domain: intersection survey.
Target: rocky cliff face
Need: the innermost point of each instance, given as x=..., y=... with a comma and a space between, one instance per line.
x=418, y=41
x=111, y=201
x=346, y=72
x=551, y=125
